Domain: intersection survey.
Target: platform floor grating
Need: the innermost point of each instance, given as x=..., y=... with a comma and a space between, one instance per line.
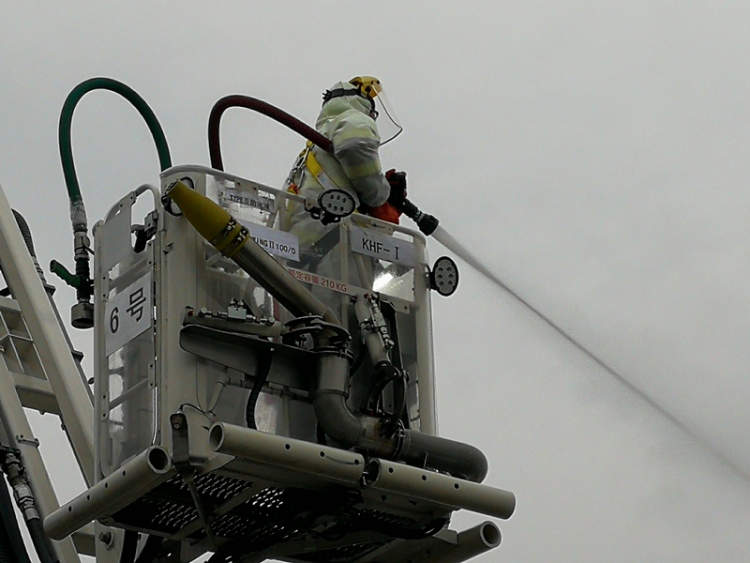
x=269, y=517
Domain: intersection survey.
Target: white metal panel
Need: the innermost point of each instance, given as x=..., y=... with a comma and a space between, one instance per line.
x=125, y=357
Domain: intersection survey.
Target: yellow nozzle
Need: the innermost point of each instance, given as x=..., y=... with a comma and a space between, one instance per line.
x=213, y=223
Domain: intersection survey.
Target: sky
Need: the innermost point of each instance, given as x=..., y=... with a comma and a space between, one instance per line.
x=592, y=154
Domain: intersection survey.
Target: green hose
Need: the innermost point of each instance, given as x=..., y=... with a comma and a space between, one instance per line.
x=66, y=116
x=82, y=312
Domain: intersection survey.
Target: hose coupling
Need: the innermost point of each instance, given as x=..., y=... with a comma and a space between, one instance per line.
x=22, y=493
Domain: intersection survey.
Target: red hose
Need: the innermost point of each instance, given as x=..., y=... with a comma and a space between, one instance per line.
x=214, y=142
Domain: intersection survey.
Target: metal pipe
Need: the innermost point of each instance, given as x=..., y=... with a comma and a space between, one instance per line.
x=129, y=392
x=415, y=483
x=470, y=543
x=234, y=241
x=279, y=451
x=337, y=421
x=367, y=432
x=457, y=458
x=361, y=431
x=277, y=280
x=116, y=491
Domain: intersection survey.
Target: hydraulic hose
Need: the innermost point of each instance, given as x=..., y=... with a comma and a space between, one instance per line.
x=7, y=555
x=23, y=226
x=236, y=100
x=13, y=469
x=82, y=314
x=12, y=549
x=41, y=541
x=261, y=375
x=66, y=117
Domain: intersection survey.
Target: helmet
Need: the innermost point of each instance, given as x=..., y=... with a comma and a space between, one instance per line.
x=370, y=88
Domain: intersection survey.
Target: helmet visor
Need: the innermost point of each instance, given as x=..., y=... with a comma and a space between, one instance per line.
x=388, y=124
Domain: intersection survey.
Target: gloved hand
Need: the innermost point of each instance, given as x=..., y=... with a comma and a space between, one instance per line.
x=397, y=180
x=386, y=212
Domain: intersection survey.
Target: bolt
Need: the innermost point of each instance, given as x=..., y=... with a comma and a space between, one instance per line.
x=105, y=538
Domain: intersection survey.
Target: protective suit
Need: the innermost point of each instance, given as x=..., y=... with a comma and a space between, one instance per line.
x=347, y=118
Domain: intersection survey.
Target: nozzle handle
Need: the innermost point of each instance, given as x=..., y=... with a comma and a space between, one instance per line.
x=62, y=272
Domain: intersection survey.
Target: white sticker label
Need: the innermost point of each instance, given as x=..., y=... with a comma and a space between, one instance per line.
x=278, y=243
x=247, y=199
x=381, y=246
x=328, y=283
x=128, y=314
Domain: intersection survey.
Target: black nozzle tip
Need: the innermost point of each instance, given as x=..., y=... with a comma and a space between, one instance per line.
x=82, y=315
x=428, y=223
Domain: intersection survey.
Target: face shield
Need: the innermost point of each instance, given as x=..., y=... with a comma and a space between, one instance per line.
x=388, y=124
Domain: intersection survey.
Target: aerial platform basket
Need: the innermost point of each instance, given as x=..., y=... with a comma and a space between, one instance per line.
x=286, y=413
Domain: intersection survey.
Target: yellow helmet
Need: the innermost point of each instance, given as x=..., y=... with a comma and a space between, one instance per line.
x=369, y=86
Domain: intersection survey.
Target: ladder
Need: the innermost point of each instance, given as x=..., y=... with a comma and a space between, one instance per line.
x=38, y=370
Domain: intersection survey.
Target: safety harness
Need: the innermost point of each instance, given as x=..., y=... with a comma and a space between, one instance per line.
x=307, y=160
x=338, y=92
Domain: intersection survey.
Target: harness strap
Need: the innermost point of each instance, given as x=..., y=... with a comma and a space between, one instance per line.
x=338, y=92
x=314, y=167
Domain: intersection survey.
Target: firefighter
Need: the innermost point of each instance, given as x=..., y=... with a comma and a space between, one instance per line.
x=357, y=119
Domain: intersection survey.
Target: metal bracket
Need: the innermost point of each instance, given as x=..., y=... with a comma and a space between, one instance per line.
x=181, y=461
x=21, y=439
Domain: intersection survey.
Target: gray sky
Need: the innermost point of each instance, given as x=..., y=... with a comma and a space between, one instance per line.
x=593, y=153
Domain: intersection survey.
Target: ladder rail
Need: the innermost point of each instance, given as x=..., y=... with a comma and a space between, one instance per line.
x=19, y=436
x=62, y=371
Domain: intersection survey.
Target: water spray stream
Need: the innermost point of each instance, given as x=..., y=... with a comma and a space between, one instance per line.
x=449, y=242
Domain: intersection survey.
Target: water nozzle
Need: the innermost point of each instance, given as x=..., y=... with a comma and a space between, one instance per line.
x=82, y=313
x=427, y=223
